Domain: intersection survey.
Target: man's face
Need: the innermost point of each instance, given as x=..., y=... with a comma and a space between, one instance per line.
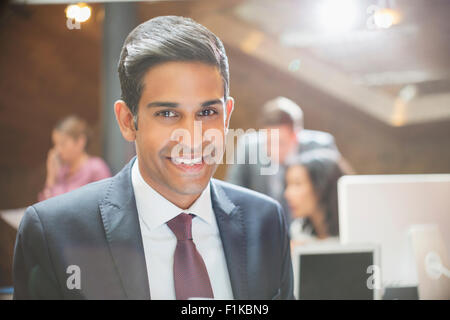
x=287, y=142
x=174, y=95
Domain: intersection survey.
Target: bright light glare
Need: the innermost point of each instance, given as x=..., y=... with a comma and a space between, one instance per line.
x=337, y=16
x=385, y=18
x=72, y=11
x=79, y=12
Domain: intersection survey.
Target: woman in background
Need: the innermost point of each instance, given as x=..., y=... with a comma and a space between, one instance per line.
x=68, y=164
x=311, y=192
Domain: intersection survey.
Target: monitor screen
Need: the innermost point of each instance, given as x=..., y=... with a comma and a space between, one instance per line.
x=380, y=209
x=335, y=275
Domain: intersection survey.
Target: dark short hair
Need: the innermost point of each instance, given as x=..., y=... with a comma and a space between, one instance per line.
x=164, y=39
x=324, y=170
x=282, y=111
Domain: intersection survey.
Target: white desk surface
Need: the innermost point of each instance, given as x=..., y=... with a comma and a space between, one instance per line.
x=12, y=216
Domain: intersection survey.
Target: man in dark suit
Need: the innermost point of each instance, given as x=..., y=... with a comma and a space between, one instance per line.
x=286, y=117
x=161, y=228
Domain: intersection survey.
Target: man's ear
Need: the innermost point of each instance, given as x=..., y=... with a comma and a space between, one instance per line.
x=229, y=107
x=125, y=120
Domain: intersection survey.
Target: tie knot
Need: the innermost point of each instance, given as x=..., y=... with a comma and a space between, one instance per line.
x=181, y=226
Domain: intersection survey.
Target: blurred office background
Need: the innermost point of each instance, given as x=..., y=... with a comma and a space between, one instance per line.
x=375, y=74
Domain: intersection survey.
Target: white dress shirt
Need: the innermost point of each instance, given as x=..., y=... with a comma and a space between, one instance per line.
x=159, y=241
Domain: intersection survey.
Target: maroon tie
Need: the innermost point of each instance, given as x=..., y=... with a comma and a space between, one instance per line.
x=189, y=271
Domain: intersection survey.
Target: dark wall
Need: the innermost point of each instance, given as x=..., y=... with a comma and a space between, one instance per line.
x=47, y=72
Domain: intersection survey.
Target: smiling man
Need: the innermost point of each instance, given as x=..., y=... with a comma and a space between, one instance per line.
x=162, y=228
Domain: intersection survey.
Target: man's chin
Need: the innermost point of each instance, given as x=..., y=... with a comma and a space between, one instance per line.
x=190, y=188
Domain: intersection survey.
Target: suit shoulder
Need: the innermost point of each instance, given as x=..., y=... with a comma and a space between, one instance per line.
x=245, y=197
x=83, y=198
x=256, y=208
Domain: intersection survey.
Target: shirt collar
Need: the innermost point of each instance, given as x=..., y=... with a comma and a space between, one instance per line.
x=157, y=210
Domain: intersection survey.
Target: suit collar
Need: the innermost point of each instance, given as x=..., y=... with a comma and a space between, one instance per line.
x=123, y=233
x=230, y=221
x=155, y=210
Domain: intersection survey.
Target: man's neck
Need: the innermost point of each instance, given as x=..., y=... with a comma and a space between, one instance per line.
x=182, y=201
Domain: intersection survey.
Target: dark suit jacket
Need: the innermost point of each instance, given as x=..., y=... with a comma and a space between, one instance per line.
x=96, y=228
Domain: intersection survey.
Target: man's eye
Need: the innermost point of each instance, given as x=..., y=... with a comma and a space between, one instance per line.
x=208, y=112
x=166, y=114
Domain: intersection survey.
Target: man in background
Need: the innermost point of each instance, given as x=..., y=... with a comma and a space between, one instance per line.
x=286, y=116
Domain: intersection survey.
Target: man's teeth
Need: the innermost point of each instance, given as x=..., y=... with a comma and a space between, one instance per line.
x=190, y=162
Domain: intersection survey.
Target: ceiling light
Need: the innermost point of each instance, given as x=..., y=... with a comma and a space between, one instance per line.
x=337, y=16
x=79, y=12
x=385, y=18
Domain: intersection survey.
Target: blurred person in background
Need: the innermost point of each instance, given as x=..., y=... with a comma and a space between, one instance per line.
x=69, y=166
x=285, y=115
x=311, y=194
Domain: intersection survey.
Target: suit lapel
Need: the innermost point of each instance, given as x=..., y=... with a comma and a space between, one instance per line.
x=123, y=233
x=231, y=226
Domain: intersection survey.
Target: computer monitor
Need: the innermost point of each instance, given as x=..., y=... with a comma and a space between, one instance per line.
x=381, y=208
x=324, y=271
x=432, y=262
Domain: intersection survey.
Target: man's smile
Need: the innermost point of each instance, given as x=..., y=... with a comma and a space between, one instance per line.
x=192, y=165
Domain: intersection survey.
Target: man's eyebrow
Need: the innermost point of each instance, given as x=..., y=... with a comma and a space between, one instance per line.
x=162, y=104
x=174, y=104
x=211, y=102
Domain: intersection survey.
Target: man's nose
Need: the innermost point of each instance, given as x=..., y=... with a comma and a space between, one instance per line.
x=194, y=129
